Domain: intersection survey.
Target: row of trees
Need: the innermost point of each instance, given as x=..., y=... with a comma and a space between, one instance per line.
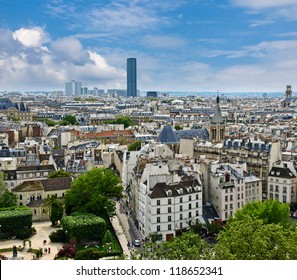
x=259, y=231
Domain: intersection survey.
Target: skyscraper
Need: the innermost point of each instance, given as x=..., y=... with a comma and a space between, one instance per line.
x=131, y=77
x=73, y=88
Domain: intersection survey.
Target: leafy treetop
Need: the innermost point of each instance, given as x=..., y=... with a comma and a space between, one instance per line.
x=93, y=191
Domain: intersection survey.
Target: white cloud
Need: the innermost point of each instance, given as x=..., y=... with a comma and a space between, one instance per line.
x=163, y=41
x=122, y=18
x=31, y=37
x=69, y=49
x=263, y=4
x=29, y=64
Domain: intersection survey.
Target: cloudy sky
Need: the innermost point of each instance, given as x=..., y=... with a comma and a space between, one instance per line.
x=183, y=45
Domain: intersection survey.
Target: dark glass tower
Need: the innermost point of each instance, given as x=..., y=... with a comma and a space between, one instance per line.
x=131, y=77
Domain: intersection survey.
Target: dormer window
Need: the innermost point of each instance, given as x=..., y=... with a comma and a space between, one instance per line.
x=168, y=192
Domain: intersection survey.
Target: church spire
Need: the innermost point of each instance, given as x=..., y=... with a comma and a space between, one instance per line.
x=217, y=124
x=217, y=116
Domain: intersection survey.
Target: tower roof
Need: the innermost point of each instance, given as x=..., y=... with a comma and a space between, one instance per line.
x=167, y=136
x=217, y=116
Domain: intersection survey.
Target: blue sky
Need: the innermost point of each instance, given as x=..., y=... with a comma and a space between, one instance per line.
x=186, y=45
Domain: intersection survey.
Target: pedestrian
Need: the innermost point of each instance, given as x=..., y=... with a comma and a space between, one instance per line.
x=49, y=250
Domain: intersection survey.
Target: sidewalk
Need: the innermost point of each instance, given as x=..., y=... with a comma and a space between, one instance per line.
x=43, y=230
x=121, y=235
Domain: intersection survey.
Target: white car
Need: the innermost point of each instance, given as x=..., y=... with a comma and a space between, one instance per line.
x=137, y=243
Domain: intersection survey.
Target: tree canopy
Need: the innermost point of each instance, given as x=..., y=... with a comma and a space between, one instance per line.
x=188, y=246
x=93, y=191
x=269, y=211
x=59, y=174
x=7, y=198
x=135, y=146
x=69, y=120
x=125, y=120
x=252, y=239
x=56, y=209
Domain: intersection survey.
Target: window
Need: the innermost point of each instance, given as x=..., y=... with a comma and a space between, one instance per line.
x=169, y=201
x=169, y=209
x=158, y=202
x=231, y=206
x=190, y=206
x=231, y=197
x=158, y=219
x=169, y=218
x=197, y=213
x=238, y=204
x=158, y=228
x=284, y=189
x=180, y=216
x=226, y=206
x=226, y=197
x=180, y=225
x=190, y=214
x=158, y=210
x=197, y=196
x=169, y=227
x=180, y=200
x=180, y=208
x=190, y=198
x=238, y=196
x=276, y=188
x=197, y=204
x=21, y=197
x=226, y=215
x=284, y=198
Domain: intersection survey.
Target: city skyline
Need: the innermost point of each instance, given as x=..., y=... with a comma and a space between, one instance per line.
x=230, y=45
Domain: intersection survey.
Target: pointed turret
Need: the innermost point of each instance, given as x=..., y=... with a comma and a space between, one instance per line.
x=217, y=124
x=217, y=116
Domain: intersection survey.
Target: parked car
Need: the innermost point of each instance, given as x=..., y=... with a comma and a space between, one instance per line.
x=137, y=243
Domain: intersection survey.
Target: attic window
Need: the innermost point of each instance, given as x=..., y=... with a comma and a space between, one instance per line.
x=180, y=191
x=272, y=172
x=277, y=173
x=168, y=192
x=291, y=174
x=189, y=189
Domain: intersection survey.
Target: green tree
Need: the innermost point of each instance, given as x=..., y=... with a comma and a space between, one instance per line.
x=7, y=198
x=135, y=146
x=253, y=239
x=125, y=120
x=108, y=238
x=59, y=174
x=269, y=211
x=56, y=207
x=188, y=246
x=178, y=127
x=69, y=120
x=93, y=192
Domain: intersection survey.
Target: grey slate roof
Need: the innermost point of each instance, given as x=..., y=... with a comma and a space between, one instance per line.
x=168, y=136
x=281, y=172
x=189, y=134
x=217, y=115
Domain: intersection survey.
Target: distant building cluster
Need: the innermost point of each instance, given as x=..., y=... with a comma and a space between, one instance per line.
x=200, y=159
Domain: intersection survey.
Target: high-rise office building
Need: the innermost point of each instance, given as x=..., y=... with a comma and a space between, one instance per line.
x=131, y=77
x=73, y=88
